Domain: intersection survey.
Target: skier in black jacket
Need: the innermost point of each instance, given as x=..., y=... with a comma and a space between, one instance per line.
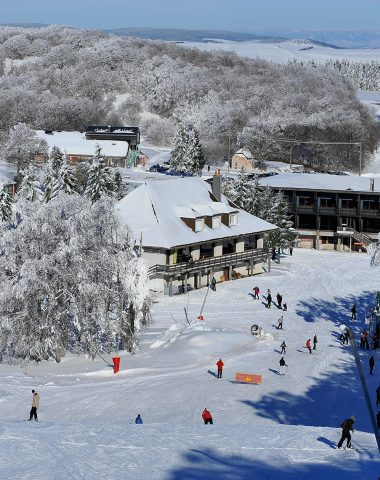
x=346, y=427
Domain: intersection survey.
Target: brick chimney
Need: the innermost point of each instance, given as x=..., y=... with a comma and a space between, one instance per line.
x=217, y=185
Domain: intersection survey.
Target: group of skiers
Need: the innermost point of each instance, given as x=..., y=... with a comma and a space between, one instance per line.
x=280, y=305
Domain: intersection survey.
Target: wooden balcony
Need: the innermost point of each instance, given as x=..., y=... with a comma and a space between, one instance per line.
x=211, y=263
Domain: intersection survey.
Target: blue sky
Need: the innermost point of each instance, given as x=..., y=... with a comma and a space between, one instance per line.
x=234, y=15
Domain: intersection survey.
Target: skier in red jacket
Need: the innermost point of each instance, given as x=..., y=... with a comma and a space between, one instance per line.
x=308, y=345
x=220, y=366
x=207, y=418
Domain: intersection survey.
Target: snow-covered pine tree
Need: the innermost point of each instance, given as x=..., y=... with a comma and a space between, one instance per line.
x=71, y=280
x=30, y=188
x=177, y=155
x=65, y=177
x=118, y=185
x=194, y=158
x=56, y=158
x=5, y=205
x=285, y=236
x=243, y=194
x=50, y=182
x=100, y=181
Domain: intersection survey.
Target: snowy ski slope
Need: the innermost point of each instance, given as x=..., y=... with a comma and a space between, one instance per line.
x=285, y=428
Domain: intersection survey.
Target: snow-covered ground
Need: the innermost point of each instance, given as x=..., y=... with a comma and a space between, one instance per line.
x=285, y=428
x=283, y=52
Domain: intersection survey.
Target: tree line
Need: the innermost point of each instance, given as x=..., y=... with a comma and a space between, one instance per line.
x=58, y=78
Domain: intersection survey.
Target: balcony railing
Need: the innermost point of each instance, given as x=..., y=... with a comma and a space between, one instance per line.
x=209, y=263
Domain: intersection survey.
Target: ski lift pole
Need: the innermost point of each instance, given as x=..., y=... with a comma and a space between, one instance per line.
x=212, y=283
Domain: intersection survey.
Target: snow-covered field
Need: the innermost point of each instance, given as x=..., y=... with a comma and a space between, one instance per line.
x=283, y=52
x=285, y=428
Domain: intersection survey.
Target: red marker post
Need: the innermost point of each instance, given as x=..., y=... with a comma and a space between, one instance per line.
x=116, y=364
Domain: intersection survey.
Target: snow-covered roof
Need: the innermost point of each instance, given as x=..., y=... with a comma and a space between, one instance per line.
x=7, y=173
x=320, y=181
x=75, y=143
x=245, y=152
x=153, y=211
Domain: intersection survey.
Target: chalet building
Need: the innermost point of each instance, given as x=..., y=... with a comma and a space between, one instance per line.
x=120, y=145
x=337, y=212
x=243, y=159
x=191, y=233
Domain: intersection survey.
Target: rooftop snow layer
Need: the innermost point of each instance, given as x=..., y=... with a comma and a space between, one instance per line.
x=153, y=211
x=320, y=181
x=75, y=143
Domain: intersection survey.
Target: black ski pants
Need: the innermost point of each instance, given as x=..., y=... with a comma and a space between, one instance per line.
x=346, y=435
x=33, y=413
x=208, y=420
x=220, y=371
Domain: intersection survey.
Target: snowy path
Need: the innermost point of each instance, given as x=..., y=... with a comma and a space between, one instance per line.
x=284, y=428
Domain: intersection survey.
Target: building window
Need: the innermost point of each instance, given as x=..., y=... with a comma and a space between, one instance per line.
x=216, y=221
x=369, y=205
x=233, y=219
x=206, y=250
x=250, y=242
x=199, y=224
x=326, y=203
x=305, y=201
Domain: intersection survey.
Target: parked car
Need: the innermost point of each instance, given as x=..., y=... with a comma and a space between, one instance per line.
x=157, y=168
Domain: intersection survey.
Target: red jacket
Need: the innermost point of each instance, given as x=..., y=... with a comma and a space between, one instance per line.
x=220, y=364
x=206, y=415
x=308, y=344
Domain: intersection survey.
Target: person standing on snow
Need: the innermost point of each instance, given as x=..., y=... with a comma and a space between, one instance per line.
x=220, y=366
x=308, y=345
x=353, y=312
x=285, y=307
x=35, y=405
x=138, y=420
x=279, y=322
x=279, y=300
x=315, y=341
x=256, y=293
x=207, y=418
x=282, y=366
x=371, y=364
x=269, y=299
x=283, y=347
x=346, y=427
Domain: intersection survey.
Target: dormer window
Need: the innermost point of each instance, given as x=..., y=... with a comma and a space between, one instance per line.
x=199, y=224
x=233, y=220
x=216, y=221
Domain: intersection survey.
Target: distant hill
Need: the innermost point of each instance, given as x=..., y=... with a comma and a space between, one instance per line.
x=180, y=35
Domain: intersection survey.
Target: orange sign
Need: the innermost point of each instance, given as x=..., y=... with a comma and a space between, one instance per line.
x=248, y=378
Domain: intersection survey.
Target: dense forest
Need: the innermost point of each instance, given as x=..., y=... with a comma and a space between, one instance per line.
x=65, y=79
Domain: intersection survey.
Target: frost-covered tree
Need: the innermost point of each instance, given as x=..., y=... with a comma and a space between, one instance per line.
x=30, y=187
x=50, y=181
x=99, y=180
x=65, y=177
x=56, y=158
x=177, y=155
x=71, y=280
x=118, y=185
x=187, y=155
x=194, y=158
x=5, y=205
x=22, y=147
